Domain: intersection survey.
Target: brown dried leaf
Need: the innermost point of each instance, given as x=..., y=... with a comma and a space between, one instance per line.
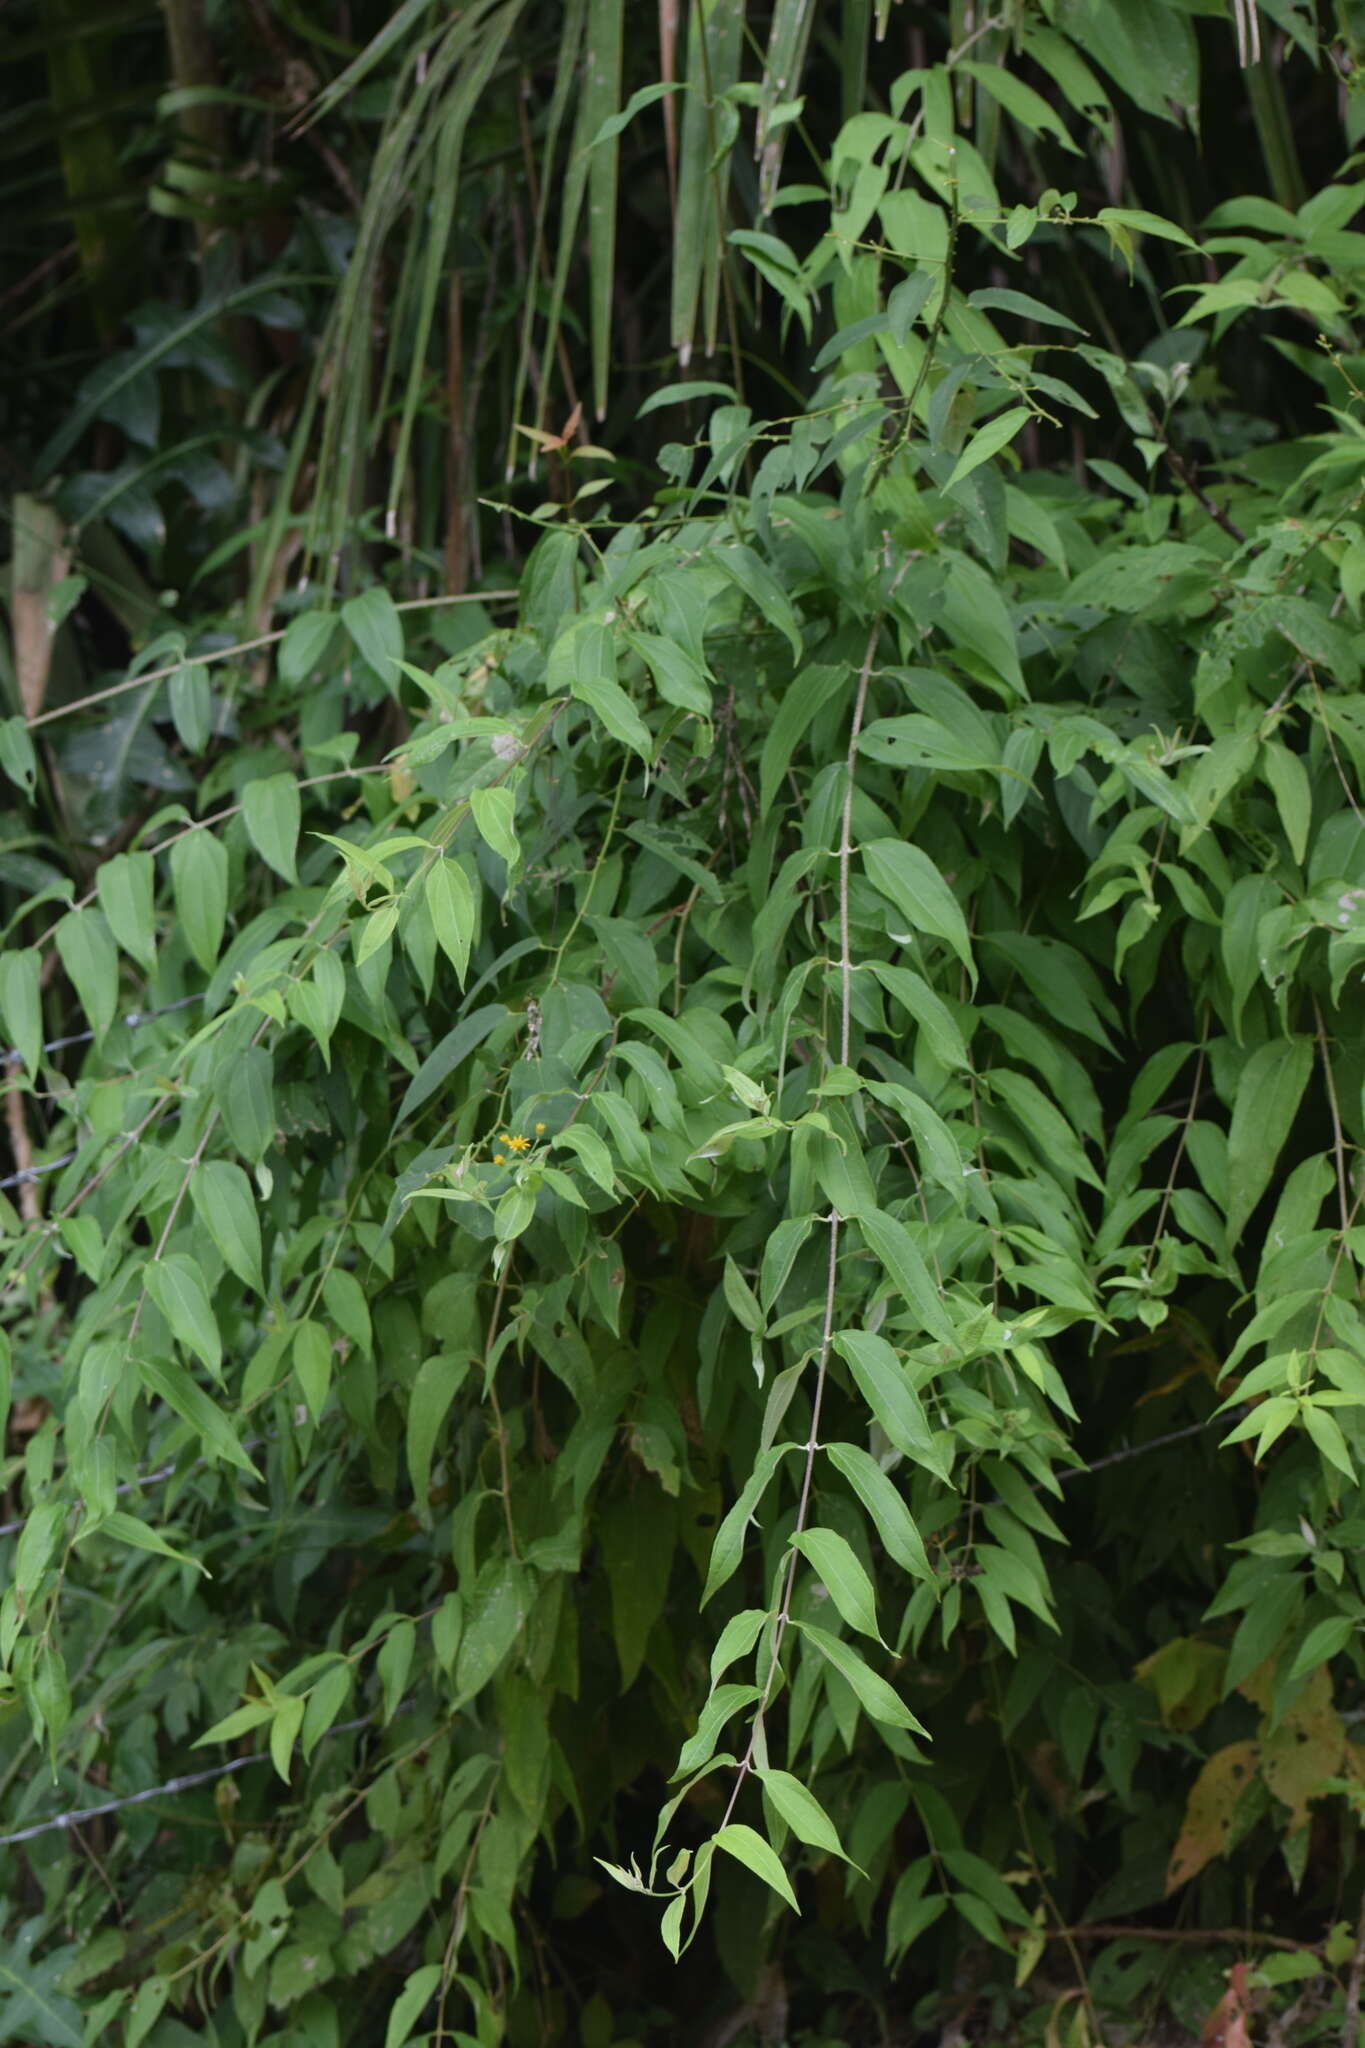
x=40, y=561
x=1308, y=1746
x=1209, y=1814
x=1187, y=1677
x=1226, y=2026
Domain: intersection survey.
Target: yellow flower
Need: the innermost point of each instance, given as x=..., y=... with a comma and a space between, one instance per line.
x=504, y=1139
x=540, y=1130
x=518, y=1144
x=498, y=1159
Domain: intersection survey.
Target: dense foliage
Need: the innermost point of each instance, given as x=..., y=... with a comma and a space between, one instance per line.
x=686, y=1123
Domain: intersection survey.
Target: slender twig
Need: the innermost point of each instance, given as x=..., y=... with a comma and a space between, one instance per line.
x=178, y=1202
x=1185, y=475
x=892, y=448
x=603, y=850
x=1343, y=778
x=1168, y=1192
x=835, y=1222
x=458, y=1910
x=500, y=1426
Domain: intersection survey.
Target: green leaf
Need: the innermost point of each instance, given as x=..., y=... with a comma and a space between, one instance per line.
x=418, y=1991
x=583, y=663
x=637, y=1537
x=245, y=1091
x=271, y=809
x=1020, y=101
x=729, y=1543
x=736, y=1639
x=679, y=394
x=148, y=2004
x=447, y=1625
x=285, y=1724
x=1325, y=1640
x=885, y=1385
x=226, y=1207
x=1288, y=779
x=802, y=1811
x=805, y=697
x=139, y=1536
x=1144, y=223
x=176, y=1285
x=762, y=588
x=448, y=1054
x=890, y=1516
x=454, y=914
x=199, y=880
x=908, y=879
x=904, y=1262
x=748, y=1847
x=36, y=2007
x=741, y=1300
x=17, y=757
x=515, y=1213
x=313, y=1360
x=988, y=441
x=874, y=1693
x=837, y=1564
x=1043, y=1124
x=305, y=641
x=376, y=626
x=780, y=1254
x=317, y=1003
x=591, y=1152
x=1326, y=1434
x=173, y=1385
x=239, y=1722
x=347, y=1306
x=438, y=1381
x=192, y=706
x=678, y=675
x=1269, y=1091
x=37, y=1543
x=495, y=1618
x=21, y=1003
x=494, y=812
x=88, y=954
x=125, y=889
x=393, y=1664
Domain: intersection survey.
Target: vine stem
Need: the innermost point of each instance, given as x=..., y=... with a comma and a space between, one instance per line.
x=1200, y=1936
x=845, y=857
x=1338, y=1136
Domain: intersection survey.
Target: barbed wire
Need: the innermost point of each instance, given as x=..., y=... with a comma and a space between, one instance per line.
x=134, y=1019
x=76, y=1816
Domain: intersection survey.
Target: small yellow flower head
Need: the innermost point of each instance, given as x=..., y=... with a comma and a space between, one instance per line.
x=518, y=1144
x=504, y=1139
x=498, y=1159
x=540, y=1130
